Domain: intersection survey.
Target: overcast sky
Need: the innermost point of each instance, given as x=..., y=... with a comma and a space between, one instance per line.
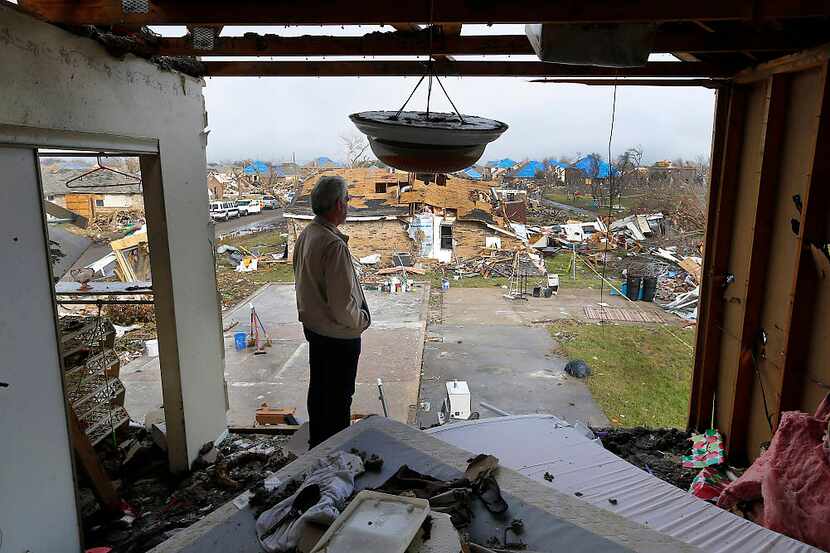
x=275, y=118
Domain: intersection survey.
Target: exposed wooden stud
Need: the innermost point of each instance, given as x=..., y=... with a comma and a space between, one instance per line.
x=417, y=43
x=806, y=282
x=772, y=137
x=319, y=12
x=456, y=68
x=726, y=151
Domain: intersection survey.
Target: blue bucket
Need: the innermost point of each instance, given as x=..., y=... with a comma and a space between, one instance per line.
x=445, y=285
x=240, y=340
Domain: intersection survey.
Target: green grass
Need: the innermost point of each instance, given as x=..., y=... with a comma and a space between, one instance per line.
x=561, y=264
x=585, y=201
x=641, y=375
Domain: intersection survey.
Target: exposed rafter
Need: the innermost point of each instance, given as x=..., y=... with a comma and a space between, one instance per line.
x=706, y=83
x=456, y=68
x=319, y=12
x=413, y=44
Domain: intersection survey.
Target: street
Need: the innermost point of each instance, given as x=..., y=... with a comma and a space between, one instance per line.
x=78, y=257
x=266, y=218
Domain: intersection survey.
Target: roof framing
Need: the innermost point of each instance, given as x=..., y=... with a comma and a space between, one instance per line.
x=322, y=12
x=418, y=43
x=454, y=68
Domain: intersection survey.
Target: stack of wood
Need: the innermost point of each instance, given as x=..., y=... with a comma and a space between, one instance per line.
x=117, y=220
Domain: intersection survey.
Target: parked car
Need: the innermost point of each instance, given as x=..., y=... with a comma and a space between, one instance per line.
x=248, y=207
x=269, y=202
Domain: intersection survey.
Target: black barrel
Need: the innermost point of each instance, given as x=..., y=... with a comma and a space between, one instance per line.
x=633, y=291
x=649, y=288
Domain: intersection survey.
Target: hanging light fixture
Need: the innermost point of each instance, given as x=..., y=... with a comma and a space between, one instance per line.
x=424, y=141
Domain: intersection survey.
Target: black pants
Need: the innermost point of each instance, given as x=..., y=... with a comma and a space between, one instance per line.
x=333, y=363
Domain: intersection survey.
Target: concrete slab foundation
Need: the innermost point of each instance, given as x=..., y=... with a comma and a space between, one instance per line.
x=503, y=350
x=392, y=351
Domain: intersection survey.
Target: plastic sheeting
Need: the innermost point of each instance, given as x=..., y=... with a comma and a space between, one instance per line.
x=579, y=463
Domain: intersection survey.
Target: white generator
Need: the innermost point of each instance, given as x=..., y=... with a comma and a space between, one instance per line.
x=457, y=405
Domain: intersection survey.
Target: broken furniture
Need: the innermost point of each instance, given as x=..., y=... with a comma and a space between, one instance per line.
x=91, y=384
x=133, y=256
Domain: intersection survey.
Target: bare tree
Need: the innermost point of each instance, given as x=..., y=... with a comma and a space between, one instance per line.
x=628, y=172
x=355, y=146
x=593, y=173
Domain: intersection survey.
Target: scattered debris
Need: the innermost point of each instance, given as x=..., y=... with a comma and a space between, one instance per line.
x=578, y=368
x=164, y=503
x=658, y=451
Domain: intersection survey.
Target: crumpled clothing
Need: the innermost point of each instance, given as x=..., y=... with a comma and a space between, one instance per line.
x=319, y=500
x=790, y=483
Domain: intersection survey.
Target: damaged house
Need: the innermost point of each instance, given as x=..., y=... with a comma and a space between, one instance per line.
x=99, y=193
x=392, y=212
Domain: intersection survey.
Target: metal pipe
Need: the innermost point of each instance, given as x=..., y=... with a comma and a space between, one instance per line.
x=495, y=409
x=381, y=398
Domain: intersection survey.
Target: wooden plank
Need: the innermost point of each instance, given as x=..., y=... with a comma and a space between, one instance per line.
x=320, y=12
x=456, y=68
x=705, y=83
x=815, y=57
x=417, y=43
x=770, y=148
x=101, y=484
x=726, y=149
x=806, y=281
x=274, y=429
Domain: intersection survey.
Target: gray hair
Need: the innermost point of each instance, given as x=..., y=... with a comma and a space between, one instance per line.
x=326, y=193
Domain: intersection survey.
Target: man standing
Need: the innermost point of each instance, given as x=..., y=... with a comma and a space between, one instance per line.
x=332, y=308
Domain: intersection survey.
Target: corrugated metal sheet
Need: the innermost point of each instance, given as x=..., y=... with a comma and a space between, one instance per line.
x=537, y=444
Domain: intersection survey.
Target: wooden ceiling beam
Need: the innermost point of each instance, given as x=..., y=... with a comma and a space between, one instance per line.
x=456, y=68
x=413, y=44
x=321, y=12
x=705, y=83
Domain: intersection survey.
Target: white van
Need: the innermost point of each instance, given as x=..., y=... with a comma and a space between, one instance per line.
x=223, y=210
x=269, y=202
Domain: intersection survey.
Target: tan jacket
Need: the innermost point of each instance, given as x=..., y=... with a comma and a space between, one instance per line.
x=330, y=300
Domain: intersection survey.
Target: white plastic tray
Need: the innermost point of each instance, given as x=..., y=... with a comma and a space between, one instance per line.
x=375, y=522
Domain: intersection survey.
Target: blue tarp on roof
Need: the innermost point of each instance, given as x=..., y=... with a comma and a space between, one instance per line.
x=529, y=170
x=472, y=173
x=322, y=161
x=558, y=164
x=599, y=171
x=255, y=167
x=505, y=163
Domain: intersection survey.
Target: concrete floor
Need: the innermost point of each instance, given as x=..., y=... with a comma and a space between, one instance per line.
x=392, y=350
x=503, y=350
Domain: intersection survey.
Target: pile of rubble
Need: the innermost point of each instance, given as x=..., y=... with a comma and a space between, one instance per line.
x=157, y=504
x=122, y=220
